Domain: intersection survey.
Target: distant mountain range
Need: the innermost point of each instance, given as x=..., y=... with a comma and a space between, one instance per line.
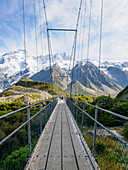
x=113, y=75
x=83, y=83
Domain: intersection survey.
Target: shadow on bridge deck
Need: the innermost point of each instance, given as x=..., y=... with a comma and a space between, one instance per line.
x=59, y=146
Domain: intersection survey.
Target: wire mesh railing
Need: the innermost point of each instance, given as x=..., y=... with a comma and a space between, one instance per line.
x=108, y=148
x=16, y=148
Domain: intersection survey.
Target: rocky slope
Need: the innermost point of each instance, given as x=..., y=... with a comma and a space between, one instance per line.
x=123, y=95
x=83, y=83
x=13, y=68
x=34, y=91
x=59, y=76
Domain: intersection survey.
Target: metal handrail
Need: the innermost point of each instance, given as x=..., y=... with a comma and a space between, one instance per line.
x=6, y=138
x=8, y=114
x=110, y=112
x=124, y=142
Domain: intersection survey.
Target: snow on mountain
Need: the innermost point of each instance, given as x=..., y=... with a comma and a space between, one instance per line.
x=14, y=62
x=63, y=60
x=13, y=66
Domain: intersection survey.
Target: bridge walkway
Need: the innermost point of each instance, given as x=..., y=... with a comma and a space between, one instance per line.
x=59, y=146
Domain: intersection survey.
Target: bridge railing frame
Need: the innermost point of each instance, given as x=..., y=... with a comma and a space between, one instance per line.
x=28, y=106
x=50, y=102
x=75, y=102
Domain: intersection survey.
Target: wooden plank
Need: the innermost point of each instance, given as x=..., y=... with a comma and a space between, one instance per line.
x=67, y=149
x=59, y=146
x=39, y=156
x=81, y=155
x=54, y=159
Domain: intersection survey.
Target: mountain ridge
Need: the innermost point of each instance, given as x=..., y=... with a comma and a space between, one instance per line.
x=12, y=68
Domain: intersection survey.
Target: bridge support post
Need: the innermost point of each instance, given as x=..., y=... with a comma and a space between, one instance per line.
x=40, y=119
x=94, y=135
x=29, y=132
x=77, y=111
x=50, y=106
x=46, y=116
x=82, y=122
x=71, y=105
x=74, y=107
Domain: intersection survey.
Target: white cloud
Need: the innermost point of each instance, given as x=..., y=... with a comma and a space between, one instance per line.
x=63, y=14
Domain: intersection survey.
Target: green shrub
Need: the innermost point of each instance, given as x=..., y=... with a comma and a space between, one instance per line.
x=126, y=125
x=125, y=132
x=17, y=159
x=100, y=147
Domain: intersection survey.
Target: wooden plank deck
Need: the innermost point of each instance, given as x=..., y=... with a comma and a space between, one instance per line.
x=59, y=146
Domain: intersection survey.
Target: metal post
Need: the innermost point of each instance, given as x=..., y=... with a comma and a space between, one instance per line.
x=69, y=103
x=76, y=111
x=95, y=127
x=40, y=119
x=29, y=132
x=82, y=122
x=52, y=104
x=46, y=115
x=50, y=107
x=74, y=108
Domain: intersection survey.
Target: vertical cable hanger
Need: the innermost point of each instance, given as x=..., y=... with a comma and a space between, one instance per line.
x=100, y=45
x=44, y=42
x=84, y=22
x=27, y=101
x=36, y=44
x=79, y=42
x=49, y=45
x=70, y=63
x=41, y=38
x=75, y=40
x=88, y=45
x=24, y=37
x=82, y=37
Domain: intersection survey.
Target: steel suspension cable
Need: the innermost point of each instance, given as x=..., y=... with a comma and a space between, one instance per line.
x=79, y=42
x=24, y=37
x=70, y=63
x=36, y=44
x=44, y=42
x=100, y=45
x=75, y=40
x=27, y=100
x=41, y=38
x=49, y=45
x=84, y=22
x=89, y=30
x=80, y=35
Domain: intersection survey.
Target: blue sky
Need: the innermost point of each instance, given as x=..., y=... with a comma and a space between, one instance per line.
x=63, y=14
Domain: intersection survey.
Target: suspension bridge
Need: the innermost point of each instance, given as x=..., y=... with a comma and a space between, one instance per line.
x=61, y=135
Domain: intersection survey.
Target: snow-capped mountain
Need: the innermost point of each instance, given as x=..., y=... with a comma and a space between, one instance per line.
x=63, y=60
x=117, y=71
x=14, y=66
x=14, y=62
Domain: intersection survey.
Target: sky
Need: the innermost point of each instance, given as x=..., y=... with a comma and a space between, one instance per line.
x=63, y=14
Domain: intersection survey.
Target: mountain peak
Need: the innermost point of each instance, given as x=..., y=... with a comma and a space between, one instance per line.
x=14, y=52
